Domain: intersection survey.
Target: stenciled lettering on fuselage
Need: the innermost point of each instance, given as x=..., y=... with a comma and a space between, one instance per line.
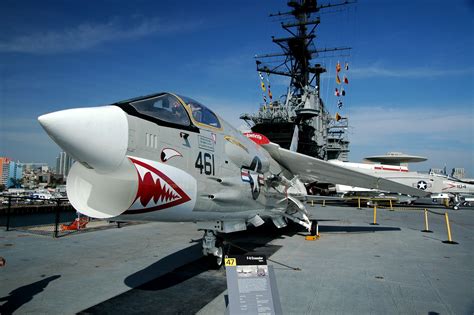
x=206, y=143
x=253, y=175
x=453, y=185
x=161, y=186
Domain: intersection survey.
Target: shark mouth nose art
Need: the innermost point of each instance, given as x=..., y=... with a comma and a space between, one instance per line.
x=156, y=191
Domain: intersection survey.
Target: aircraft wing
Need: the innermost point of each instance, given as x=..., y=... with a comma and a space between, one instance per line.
x=312, y=169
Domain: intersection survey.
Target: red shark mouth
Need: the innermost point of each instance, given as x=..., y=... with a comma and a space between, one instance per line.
x=156, y=191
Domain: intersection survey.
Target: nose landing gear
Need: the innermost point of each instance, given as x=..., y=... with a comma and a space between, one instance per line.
x=213, y=249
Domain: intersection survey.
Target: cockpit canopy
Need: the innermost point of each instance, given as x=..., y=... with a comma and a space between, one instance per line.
x=174, y=109
x=163, y=107
x=201, y=113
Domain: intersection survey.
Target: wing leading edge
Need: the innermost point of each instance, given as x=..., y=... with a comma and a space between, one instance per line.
x=312, y=169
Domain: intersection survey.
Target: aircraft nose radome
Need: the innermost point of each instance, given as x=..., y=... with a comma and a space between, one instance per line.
x=95, y=136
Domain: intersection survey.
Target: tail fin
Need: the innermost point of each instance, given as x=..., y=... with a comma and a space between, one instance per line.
x=294, y=140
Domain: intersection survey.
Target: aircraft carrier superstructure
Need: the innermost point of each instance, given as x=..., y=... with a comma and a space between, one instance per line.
x=319, y=133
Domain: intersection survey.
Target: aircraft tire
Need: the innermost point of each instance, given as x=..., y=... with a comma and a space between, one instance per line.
x=312, y=230
x=216, y=262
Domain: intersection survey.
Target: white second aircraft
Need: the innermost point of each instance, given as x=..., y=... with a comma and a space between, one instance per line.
x=437, y=186
x=165, y=157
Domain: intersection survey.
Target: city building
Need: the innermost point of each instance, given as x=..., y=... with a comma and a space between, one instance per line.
x=4, y=168
x=459, y=172
x=63, y=163
x=28, y=167
x=15, y=175
x=437, y=171
x=11, y=172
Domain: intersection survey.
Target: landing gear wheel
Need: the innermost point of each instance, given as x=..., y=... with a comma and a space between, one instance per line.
x=220, y=256
x=213, y=249
x=216, y=261
x=314, y=228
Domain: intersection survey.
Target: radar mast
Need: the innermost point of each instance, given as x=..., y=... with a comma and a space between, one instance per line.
x=302, y=111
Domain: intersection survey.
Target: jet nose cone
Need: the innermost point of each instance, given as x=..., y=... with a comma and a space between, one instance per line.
x=97, y=136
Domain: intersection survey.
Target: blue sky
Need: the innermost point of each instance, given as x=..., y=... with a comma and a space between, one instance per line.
x=411, y=73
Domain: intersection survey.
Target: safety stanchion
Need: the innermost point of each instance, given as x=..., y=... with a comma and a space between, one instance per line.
x=312, y=203
x=358, y=203
x=375, y=216
x=427, y=228
x=324, y=203
x=446, y=202
x=448, y=228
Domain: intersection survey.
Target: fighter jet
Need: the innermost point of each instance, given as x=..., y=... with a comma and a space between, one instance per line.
x=451, y=189
x=165, y=157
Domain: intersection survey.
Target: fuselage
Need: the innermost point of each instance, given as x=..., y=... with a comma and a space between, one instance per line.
x=162, y=157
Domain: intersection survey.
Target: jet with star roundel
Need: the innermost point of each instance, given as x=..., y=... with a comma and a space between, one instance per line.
x=166, y=157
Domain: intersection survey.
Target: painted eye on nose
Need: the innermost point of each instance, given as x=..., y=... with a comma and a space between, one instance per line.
x=168, y=153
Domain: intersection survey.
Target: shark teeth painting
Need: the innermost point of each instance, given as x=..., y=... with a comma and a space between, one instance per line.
x=156, y=191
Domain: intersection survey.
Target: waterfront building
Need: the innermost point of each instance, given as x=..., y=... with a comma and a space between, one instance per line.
x=4, y=166
x=11, y=172
x=63, y=163
x=437, y=171
x=15, y=175
x=459, y=172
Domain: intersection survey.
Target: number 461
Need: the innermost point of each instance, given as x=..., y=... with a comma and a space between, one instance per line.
x=205, y=163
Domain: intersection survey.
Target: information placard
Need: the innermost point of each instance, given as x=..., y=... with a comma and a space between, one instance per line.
x=251, y=286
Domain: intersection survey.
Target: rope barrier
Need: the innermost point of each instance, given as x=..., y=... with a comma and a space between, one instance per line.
x=434, y=212
x=448, y=226
x=276, y=262
x=402, y=208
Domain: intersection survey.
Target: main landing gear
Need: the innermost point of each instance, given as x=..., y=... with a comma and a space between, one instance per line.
x=213, y=249
x=314, y=230
x=456, y=202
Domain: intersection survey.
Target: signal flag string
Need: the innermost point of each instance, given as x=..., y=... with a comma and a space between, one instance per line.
x=270, y=96
x=341, y=92
x=262, y=85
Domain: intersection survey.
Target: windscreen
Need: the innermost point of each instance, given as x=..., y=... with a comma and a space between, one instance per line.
x=165, y=107
x=201, y=113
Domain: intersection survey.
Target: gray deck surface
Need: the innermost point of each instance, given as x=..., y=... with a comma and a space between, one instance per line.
x=354, y=268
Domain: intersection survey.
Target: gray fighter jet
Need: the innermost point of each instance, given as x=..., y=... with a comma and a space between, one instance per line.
x=165, y=157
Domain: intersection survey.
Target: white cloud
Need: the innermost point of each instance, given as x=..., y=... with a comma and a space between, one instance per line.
x=87, y=35
x=414, y=72
x=443, y=135
x=378, y=124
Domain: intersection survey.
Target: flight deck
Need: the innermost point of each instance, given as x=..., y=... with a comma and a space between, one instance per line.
x=353, y=268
